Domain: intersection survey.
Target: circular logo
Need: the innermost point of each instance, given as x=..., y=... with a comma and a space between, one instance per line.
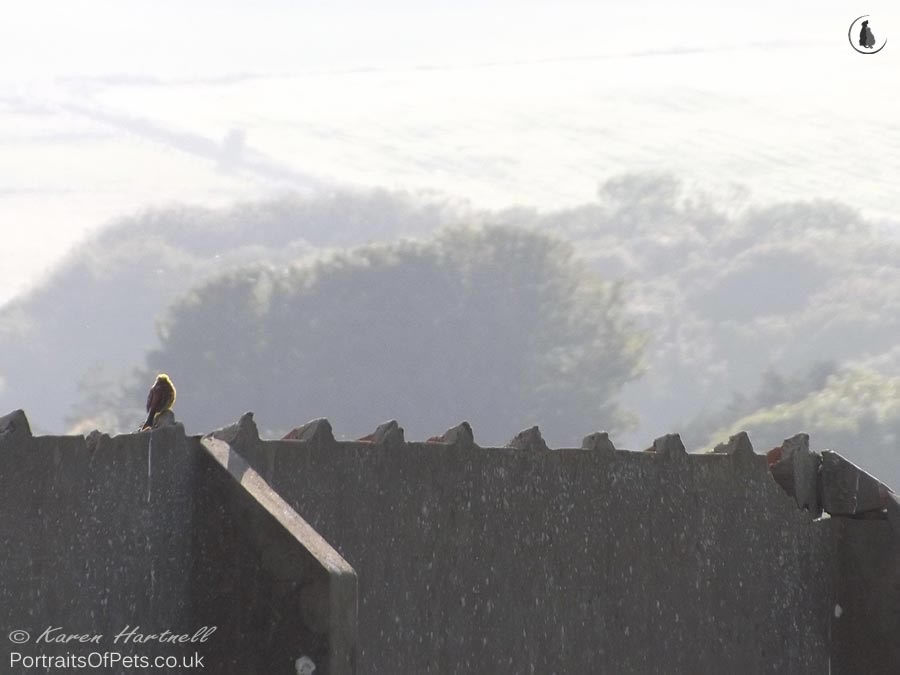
x=866, y=35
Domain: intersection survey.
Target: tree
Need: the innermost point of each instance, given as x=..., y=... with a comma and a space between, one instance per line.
x=500, y=326
x=855, y=412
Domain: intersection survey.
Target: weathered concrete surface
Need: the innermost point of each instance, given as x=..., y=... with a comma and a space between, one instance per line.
x=94, y=538
x=528, y=439
x=796, y=468
x=826, y=481
x=738, y=445
x=598, y=441
x=389, y=434
x=571, y=561
x=847, y=490
x=318, y=431
x=867, y=592
x=868, y=595
x=286, y=593
x=147, y=532
x=461, y=436
x=476, y=560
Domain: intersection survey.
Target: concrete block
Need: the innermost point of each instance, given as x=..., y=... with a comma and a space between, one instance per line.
x=598, y=441
x=796, y=469
x=847, y=490
x=461, y=436
x=528, y=439
x=243, y=432
x=315, y=431
x=738, y=446
x=669, y=446
x=389, y=434
x=14, y=427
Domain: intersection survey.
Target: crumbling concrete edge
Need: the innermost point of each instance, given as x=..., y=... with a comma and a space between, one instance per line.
x=825, y=481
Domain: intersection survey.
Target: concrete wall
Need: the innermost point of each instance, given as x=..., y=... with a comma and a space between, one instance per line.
x=475, y=560
x=158, y=531
x=93, y=537
x=868, y=594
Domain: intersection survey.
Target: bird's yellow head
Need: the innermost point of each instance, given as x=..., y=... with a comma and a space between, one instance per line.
x=164, y=380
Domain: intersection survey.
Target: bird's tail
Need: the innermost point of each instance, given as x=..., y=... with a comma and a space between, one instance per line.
x=149, y=423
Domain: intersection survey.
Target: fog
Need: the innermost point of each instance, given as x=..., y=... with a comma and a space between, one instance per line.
x=577, y=218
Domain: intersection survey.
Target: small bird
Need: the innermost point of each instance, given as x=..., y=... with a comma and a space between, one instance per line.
x=160, y=398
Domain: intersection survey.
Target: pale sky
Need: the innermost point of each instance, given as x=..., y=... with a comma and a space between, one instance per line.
x=107, y=108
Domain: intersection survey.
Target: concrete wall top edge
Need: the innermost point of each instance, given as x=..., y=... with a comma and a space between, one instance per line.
x=526, y=445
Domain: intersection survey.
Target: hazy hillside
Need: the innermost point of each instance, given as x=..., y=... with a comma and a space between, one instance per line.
x=750, y=316
x=728, y=297
x=94, y=317
x=500, y=326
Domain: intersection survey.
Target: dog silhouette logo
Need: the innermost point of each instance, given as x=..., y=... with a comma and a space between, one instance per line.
x=862, y=35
